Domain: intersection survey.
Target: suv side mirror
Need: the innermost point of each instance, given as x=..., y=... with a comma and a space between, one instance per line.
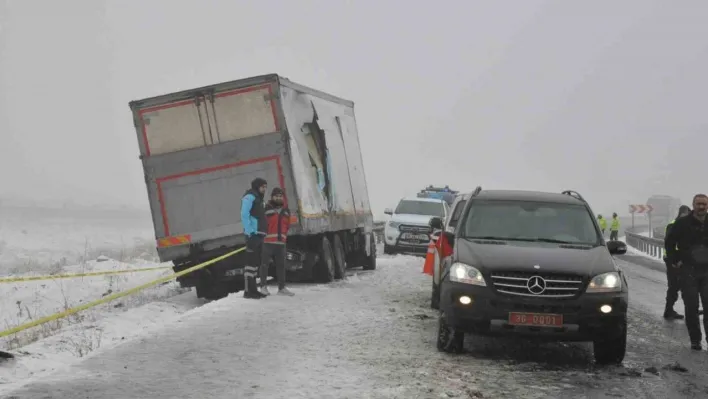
x=436, y=223
x=388, y=211
x=617, y=247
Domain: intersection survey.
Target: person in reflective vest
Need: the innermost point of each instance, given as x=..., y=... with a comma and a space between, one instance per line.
x=277, y=225
x=614, y=228
x=603, y=224
x=673, y=274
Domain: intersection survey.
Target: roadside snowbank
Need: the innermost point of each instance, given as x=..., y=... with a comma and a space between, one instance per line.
x=104, y=332
x=23, y=302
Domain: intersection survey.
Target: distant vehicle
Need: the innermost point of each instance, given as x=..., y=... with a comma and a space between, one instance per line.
x=533, y=264
x=665, y=207
x=443, y=193
x=201, y=148
x=408, y=231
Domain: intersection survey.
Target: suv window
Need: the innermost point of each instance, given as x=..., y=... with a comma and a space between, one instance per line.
x=420, y=208
x=525, y=220
x=456, y=213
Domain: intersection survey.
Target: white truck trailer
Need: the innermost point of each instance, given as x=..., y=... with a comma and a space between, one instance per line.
x=201, y=148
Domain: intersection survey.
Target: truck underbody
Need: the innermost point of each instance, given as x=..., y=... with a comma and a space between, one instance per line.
x=320, y=258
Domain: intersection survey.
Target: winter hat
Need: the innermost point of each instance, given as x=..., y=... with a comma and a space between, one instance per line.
x=257, y=183
x=276, y=191
x=684, y=209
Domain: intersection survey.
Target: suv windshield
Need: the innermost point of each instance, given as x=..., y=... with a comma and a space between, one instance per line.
x=530, y=221
x=420, y=208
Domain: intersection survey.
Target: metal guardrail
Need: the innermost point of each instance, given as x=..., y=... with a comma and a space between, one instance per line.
x=652, y=246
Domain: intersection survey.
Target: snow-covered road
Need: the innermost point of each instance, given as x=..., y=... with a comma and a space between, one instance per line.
x=372, y=336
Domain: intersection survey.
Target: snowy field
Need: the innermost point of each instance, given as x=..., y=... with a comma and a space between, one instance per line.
x=40, y=241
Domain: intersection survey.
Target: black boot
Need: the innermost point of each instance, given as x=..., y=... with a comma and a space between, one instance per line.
x=252, y=289
x=670, y=314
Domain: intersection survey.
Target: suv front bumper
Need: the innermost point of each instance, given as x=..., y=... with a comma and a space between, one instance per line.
x=488, y=313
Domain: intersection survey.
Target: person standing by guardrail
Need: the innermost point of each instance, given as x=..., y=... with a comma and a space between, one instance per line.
x=603, y=224
x=672, y=273
x=278, y=223
x=254, y=228
x=687, y=248
x=614, y=228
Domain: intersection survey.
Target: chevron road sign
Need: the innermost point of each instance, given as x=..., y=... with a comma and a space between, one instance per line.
x=640, y=208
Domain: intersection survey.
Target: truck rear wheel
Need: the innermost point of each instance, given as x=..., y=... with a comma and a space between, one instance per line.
x=370, y=260
x=324, y=268
x=340, y=258
x=210, y=292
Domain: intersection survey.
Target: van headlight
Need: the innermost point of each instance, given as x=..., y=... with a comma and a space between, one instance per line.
x=466, y=274
x=606, y=282
x=394, y=225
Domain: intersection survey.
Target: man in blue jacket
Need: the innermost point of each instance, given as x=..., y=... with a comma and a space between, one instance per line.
x=254, y=228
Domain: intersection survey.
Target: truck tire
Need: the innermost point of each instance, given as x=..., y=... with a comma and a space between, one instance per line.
x=370, y=260
x=209, y=292
x=324, y=269
x=340, y=258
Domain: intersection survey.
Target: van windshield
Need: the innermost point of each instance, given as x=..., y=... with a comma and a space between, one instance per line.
x=530, y=221
x=426, y=208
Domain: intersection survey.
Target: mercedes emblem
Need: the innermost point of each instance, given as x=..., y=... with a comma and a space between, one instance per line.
x=536, y=285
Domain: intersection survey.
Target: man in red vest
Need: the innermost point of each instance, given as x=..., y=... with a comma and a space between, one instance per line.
x=277, y=224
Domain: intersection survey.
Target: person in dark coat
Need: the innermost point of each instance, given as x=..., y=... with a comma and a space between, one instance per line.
x=254, y=228
x=687, y=249
x=672, y=273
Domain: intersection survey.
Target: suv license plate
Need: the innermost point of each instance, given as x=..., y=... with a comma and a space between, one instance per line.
x=536, y=319
x=233, y=272
x=412, y=236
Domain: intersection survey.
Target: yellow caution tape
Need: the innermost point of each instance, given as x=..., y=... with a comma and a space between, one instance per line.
x=74, y=275
x=111, y=297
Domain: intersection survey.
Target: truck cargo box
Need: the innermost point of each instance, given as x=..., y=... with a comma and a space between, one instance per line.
x=201, y=148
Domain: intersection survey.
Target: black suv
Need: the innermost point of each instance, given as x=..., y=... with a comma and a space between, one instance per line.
x=533, y=264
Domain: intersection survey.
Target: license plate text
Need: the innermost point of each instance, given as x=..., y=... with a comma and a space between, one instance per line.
x=536, y=319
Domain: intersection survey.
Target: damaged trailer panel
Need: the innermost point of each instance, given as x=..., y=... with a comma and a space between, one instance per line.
x=326, y=160
x=201, y=148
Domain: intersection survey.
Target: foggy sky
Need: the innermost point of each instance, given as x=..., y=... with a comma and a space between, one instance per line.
x=604, y=97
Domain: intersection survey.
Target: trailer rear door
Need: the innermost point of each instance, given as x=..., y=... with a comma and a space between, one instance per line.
x=201, y=149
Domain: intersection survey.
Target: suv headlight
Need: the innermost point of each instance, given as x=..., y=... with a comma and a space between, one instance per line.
x=606, y=282
x=393, y=225
x=466, y=274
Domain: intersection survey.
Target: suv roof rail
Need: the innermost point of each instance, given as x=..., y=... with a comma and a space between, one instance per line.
x=574, y=194
x=477, y=191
